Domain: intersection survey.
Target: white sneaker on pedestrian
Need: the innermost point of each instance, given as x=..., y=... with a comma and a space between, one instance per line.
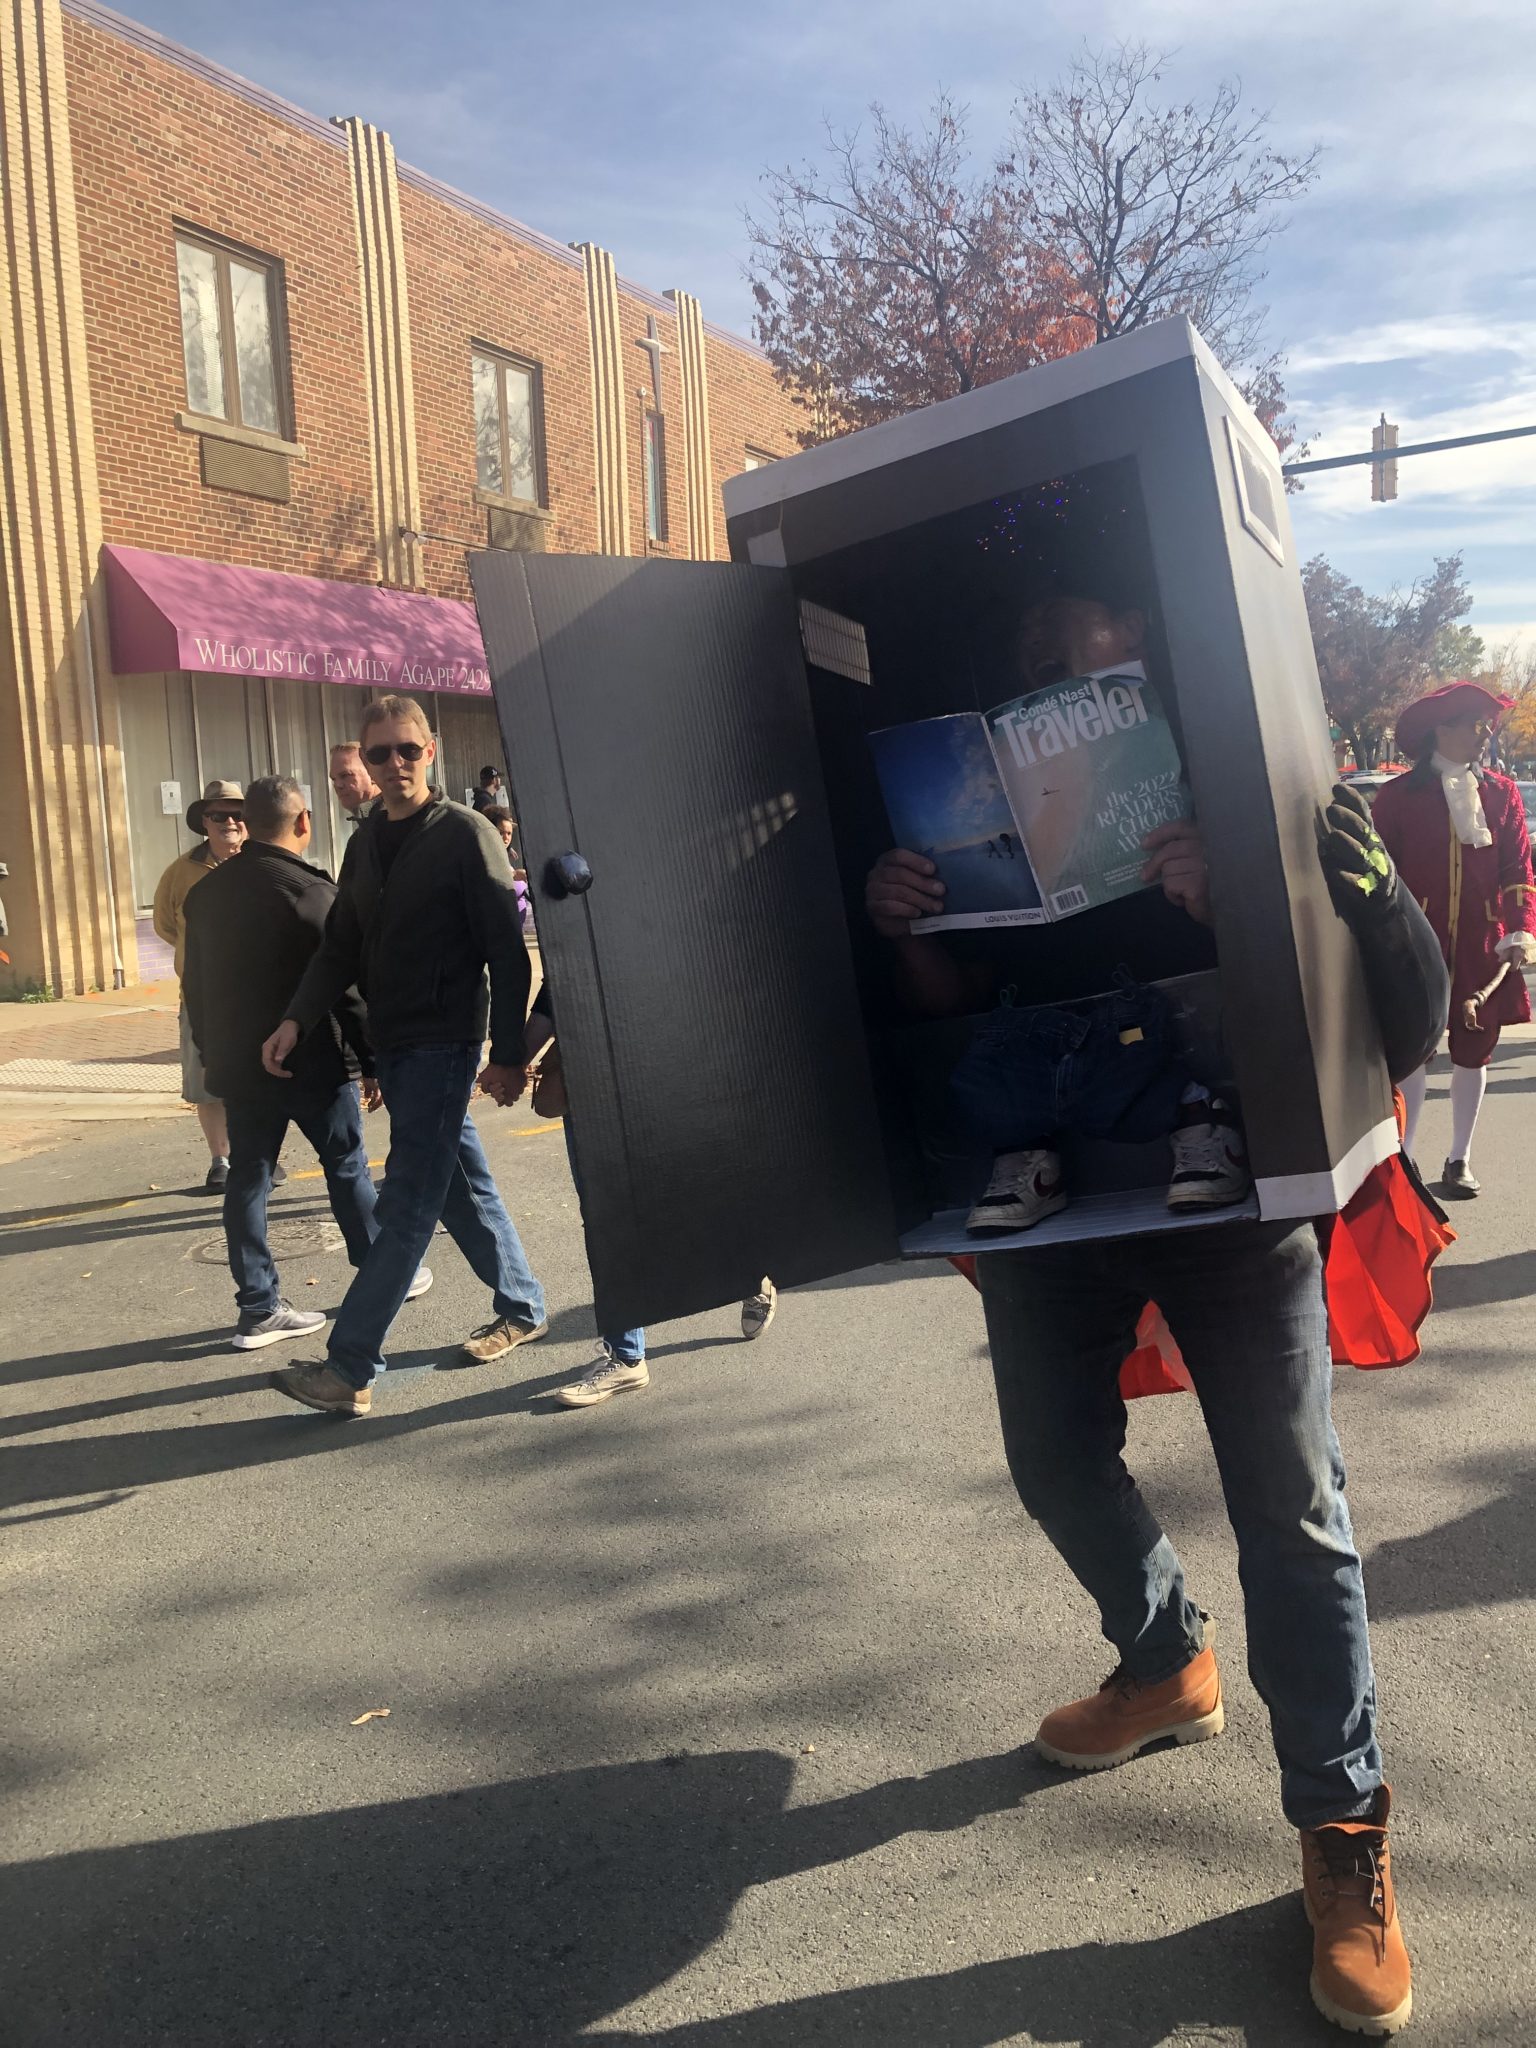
x=1210, y=1158
x=604, y=1378
x=252, y=1332
x=1024, y=1189
x=758, y=1309
x=420, y=1284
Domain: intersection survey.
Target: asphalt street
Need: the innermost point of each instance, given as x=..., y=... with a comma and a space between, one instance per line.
x=708, y=1709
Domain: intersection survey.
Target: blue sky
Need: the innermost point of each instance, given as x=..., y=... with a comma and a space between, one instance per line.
x=1404, y=282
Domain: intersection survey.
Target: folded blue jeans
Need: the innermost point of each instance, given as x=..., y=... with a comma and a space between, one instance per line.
x=1110, y=1069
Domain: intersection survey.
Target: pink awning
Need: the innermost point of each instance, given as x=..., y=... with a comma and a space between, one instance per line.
x=168, y=612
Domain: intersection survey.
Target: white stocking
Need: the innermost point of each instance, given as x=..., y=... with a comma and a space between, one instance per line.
x=1467, y=1085
x=1413, y=1103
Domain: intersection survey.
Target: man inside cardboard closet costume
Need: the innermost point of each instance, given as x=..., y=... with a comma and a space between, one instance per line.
x=1245, y=1304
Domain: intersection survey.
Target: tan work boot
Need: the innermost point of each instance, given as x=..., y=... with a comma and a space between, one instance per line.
x=1361, y=1976
x=485, y=1346
x=1124, y=1715
x=322, y=1387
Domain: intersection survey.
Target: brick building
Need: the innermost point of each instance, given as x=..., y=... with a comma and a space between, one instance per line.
x=261, y=388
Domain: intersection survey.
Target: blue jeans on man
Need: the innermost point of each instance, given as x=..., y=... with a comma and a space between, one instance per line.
x=436, y=1171
x=629, y=1345
x=1245, y=1304
x=333, y=1124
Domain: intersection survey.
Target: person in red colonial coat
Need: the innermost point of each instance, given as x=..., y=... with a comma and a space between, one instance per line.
x=1457, y=834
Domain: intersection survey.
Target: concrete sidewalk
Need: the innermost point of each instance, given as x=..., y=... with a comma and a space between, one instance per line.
x=85, y=1060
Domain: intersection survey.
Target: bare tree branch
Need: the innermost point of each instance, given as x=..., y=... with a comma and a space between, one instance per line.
x=898, y=271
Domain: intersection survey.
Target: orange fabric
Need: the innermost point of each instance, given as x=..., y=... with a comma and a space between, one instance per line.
x=1376, y=1275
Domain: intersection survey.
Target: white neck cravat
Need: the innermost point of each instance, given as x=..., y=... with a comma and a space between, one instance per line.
x=1464, y=801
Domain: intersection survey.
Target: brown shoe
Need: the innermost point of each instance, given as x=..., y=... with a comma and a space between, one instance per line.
x=322, y=1387
x=498, y=1338
x=1361, y=1976
x=1123, y=1716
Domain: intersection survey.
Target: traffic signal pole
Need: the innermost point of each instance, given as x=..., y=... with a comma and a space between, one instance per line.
x=1377, y=456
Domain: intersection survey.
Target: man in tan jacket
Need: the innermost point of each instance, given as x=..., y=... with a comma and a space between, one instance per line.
x=218, y=817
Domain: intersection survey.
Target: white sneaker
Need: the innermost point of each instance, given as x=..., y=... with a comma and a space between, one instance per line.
x=1025, y=1187
x=1210, y=1159
x=757, y=1310
x=420, y=1284
x=604, y=1378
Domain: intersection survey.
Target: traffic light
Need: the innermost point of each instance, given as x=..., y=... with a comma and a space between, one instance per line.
x=1383, y=474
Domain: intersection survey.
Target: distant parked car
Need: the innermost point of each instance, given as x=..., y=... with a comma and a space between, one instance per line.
x=1528, y=798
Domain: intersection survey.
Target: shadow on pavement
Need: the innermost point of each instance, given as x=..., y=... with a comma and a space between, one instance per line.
x=1471, y=1284
x=105, y=1223
x=57, y=1365
x=884, y=1275
x=125, y=1460
x=74, y=1507
x=529, y=1912
x=1482, y=1557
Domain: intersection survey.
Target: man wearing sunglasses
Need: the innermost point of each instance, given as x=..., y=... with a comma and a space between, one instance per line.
x=426, y=924
x=252, y=929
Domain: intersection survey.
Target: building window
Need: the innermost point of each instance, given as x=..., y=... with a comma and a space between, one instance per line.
x=232, y=334
x=655, y=478
x=757, y=459
x=509, y=428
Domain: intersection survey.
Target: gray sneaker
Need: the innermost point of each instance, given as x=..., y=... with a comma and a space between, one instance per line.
x=757, y=1310
x=1210, y=1158
x=420, y=1284
x=252, y=1332
x=604, y=1378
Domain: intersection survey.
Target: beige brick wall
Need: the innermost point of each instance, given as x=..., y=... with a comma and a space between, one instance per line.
x=470, y=282
x=156, y=143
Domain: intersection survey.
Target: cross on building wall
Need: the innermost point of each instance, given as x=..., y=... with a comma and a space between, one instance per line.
x=655, y=348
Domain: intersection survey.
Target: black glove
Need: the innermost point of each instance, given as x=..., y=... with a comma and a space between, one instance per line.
x=1361, y=878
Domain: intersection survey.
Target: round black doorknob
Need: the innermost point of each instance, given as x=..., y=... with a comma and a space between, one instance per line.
x=567, y=875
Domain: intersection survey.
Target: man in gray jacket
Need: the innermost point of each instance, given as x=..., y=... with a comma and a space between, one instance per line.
x=426, y=925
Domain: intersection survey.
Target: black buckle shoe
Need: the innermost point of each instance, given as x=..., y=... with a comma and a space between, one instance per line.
x=1458, y=1180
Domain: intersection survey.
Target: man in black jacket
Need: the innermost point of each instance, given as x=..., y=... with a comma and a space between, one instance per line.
x=425, y=906
x=245, y=949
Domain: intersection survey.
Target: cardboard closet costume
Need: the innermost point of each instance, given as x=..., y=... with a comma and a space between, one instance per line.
x=700, y=810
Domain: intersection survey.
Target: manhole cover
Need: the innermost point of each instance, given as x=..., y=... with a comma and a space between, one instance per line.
x=303, y=1237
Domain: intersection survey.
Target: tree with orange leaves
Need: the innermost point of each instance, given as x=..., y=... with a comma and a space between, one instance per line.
x=898, y=271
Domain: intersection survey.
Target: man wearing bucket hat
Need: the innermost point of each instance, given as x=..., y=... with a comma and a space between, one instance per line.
x=1457, y=833
x=218, y=819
